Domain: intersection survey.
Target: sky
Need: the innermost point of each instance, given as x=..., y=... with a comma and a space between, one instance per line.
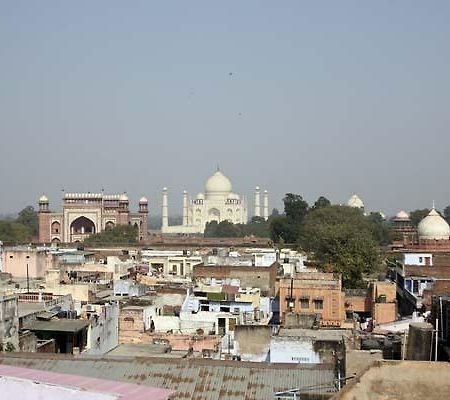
x=315, y=98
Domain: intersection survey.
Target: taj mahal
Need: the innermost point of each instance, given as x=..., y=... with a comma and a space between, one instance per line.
x=217, y=203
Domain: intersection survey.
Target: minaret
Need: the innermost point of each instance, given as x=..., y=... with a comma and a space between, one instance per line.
x=44, y=221
x=143, y=212
x=165, y=209
x=257, y=202
x=185, y=209
x=266, y=205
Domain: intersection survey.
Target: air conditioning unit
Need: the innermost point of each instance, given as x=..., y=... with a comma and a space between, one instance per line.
x=90, y=308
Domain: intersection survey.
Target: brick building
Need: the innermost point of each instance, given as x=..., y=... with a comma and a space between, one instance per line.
x=312, y=294
x=84, y=214
x=378, y=302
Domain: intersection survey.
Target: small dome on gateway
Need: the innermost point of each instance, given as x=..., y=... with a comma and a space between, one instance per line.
x=403, y=215
x=355, y=202
x=200, y=196
x=434, y=227
x=143, y=200
x=43, y=199
x=123, y=197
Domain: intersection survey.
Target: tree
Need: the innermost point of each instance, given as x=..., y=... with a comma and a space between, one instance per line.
x=322, y=202
x=222, y=230
x=381, y=232
x=447, y=214
x=341, y=237
x=282, y=229
x=12, y=232
x=287, y=226
x=418, y=215
x=120, y=234
x=29, y=218
x=295, y=208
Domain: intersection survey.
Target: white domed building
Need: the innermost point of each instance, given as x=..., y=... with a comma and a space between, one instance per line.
x=433, y=228
x=217, y=203
x=355, y=202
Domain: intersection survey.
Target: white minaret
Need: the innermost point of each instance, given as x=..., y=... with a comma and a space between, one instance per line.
x=185, y=209
x=165, y=209
x=257, y=202
x=266, y=205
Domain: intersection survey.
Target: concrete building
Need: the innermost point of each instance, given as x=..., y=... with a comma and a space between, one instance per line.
x=308, y=295
x=259, y=277
x=103, y=331
x=175, y=263
x=21, y=261
x=218, y=203
x=9, y=322
x=84, y=214
x=129, y=288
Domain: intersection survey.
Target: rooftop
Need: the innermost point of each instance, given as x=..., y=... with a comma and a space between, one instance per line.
x=191, y=378
x=59, y=325
x=32, y=384
x=400, y=380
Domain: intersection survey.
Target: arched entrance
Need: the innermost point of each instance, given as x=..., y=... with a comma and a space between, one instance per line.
x=109, y=226
x=56, y=227
x=81, y=228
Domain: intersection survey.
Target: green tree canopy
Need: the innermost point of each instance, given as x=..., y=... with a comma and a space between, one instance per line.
x=258, y=227
x=12, y=232
x=281, y=228
x=120, y=234
x=322, y=202
x=381, y=231
x=295, y=208
x=29, y=217
x=341, y=237
x=418, y=215
x=287, y=226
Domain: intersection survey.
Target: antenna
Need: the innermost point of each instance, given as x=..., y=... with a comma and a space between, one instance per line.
x=433, y=205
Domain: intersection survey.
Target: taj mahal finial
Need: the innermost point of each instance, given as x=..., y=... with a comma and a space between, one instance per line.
x=218, y=167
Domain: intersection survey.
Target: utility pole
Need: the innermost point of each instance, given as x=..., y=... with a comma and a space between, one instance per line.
x=28, y=281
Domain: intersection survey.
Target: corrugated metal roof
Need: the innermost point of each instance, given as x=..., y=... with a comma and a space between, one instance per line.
x=191, y=378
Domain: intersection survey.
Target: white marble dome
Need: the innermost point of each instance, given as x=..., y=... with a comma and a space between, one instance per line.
x=123, y=197
x=143, y=200
x=218, y=183
x=402, y=215
x=43, y=199
x=434, y=227
x=355, y=202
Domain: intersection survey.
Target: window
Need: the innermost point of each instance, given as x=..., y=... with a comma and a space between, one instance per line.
x=420, y=259
x=318, y=304
x=304, y=302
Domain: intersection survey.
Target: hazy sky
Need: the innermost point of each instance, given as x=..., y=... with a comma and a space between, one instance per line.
x=325, y=98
